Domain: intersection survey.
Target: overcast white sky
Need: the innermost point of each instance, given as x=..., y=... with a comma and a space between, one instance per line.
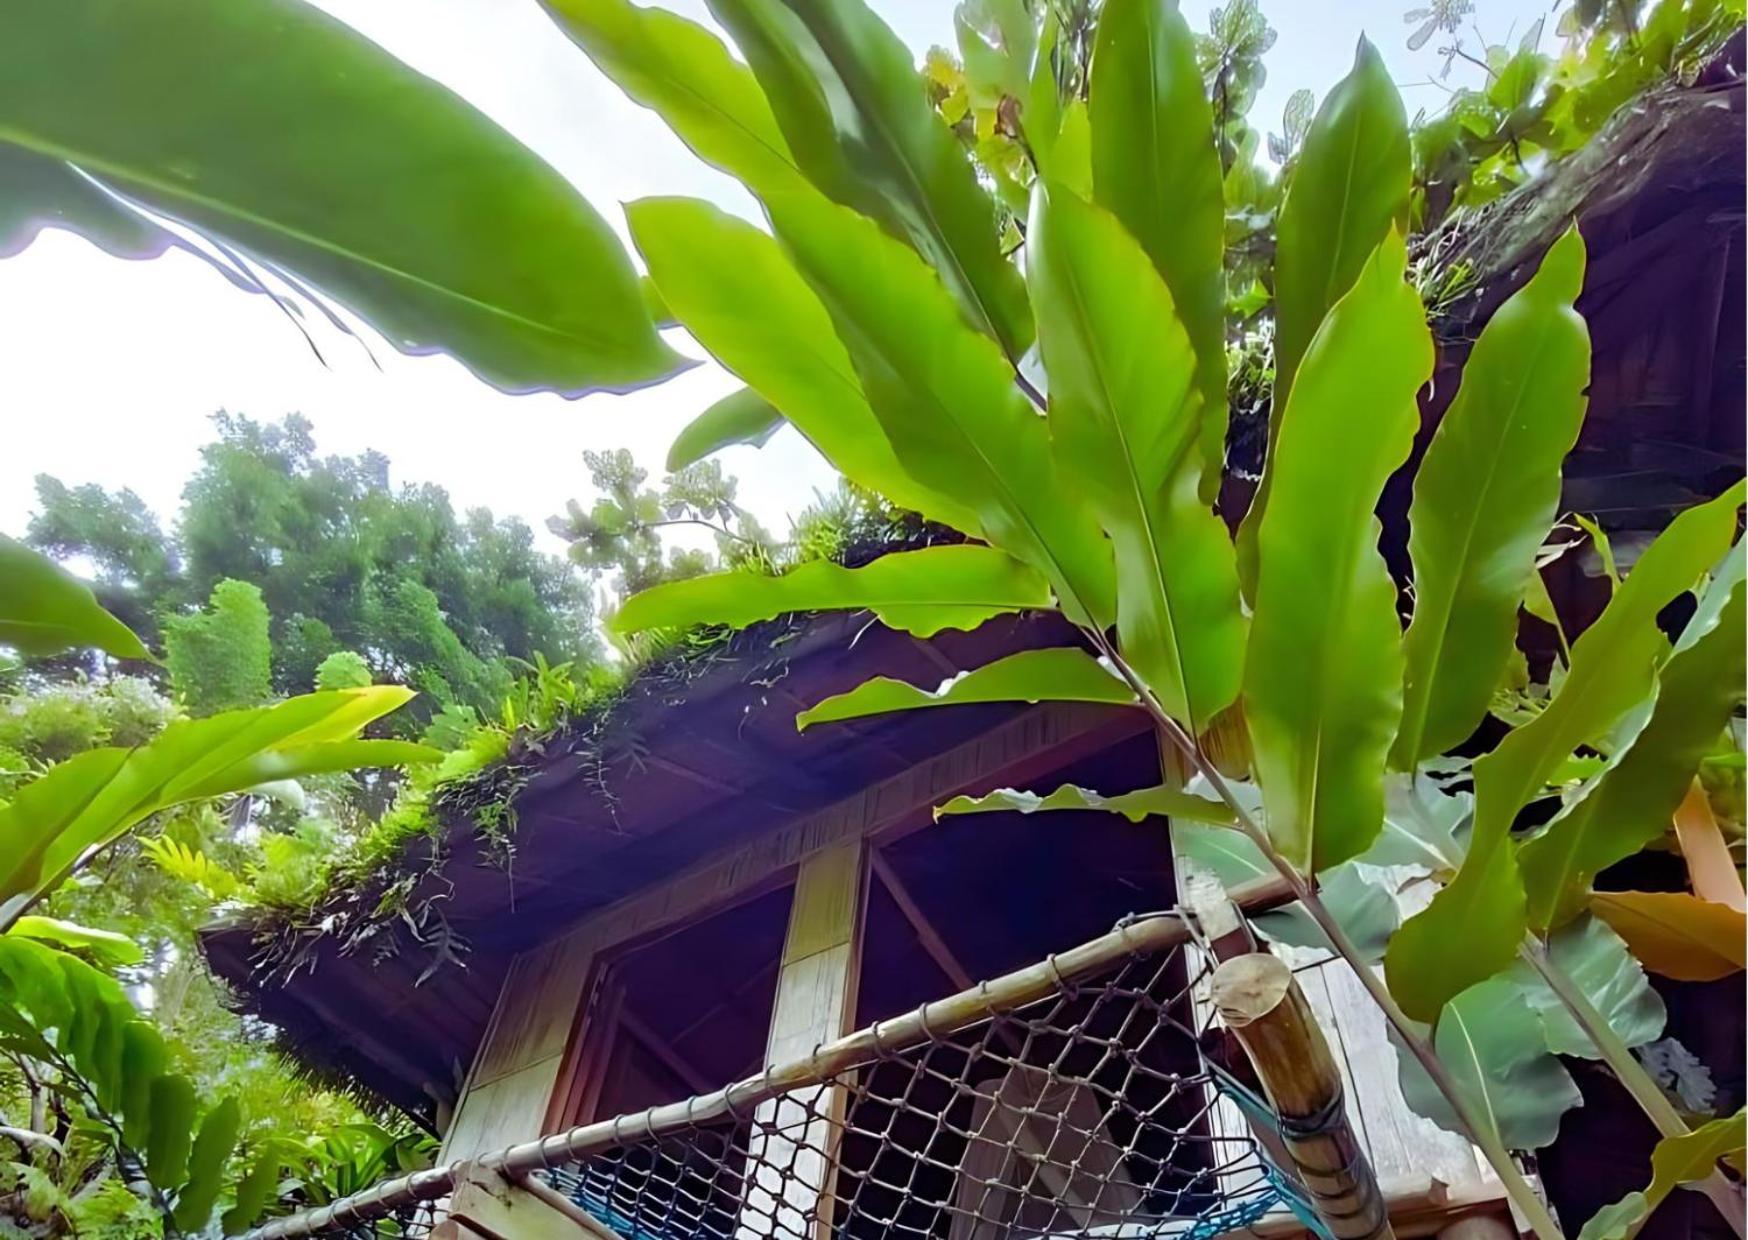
x=112, y=368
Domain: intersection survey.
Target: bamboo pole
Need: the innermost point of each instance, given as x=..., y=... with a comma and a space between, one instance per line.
x=1261, y=1003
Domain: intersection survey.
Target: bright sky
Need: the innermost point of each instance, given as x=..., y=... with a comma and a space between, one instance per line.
x=113, y=368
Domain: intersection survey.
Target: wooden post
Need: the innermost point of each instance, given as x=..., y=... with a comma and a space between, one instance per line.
x=489, y=1206
x=1260, y=1002
x=794, y=1137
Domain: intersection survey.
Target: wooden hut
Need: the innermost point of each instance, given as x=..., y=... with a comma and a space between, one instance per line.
x=693, y=891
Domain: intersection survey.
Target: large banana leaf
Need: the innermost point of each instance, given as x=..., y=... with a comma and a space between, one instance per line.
x=1348, y=189
x=1155, y=167
x=1699, y=691
x=281, y=130
x=921, y=592
x=1484, y=498
x=1491, y=1042
x=44, y=609
x=1685, y=1159
x=1473, y=927
x=1056, y=674
x=1323, y=676
x=683, y=72
x=853, y=109
x=1161, y=801
x=88, y=801
x=742, y=299
x=948, y=401
x=56, y=1009
x=742, y=417
x=1126, y=423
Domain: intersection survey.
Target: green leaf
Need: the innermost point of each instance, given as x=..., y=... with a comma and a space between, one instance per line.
x=1420, y=825
x=682, y=72
x=1155, y=167
x=1126, y=423
x=740, y=417
x=1349, y=188
x=1137, y=806
x=921, y=592
x=206, y=1165
x=1597, y=961
x=1686, y=1159
x=1473, y=927
x=1484, y=499
x=44, y=609
x=106, y=945
x=90, y=800
x=256, y=1190
x=1057, y=674
x=292, y=136
x=857, y=117
x=1699, y=691
x=1323, y=676
x=948, y=401
x=171, y=1135
x=143, y=1058
x=1491, y=1042
x=711, y=268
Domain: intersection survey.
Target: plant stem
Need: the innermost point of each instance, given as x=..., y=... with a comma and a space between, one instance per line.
x=1516, y=1187
x=1629, y=1072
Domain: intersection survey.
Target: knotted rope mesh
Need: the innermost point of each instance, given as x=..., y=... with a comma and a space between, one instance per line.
x=1090, y=1111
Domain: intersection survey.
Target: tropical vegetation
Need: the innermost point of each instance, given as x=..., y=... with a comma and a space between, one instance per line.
x=1034, y=295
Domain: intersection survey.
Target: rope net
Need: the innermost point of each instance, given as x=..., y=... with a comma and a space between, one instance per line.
x=1091, y=1111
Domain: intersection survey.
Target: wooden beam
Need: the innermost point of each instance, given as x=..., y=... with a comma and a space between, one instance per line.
x=498, y=1208
x=671, y=1059
x=926, y=933
x=792, y=1146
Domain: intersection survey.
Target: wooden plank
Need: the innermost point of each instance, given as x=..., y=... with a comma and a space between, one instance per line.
x=502, y=1112
x=793, y=1139
x=536, y=1008
x=498, y=1209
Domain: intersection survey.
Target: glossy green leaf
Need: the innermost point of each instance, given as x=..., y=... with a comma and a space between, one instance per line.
x=1491, y=1042
x=1473, y=927
x=1686, y=1159
x=1596, y=960
x=742, y=417
x=948, y=401
x=921, y=592
x=852, y=107
x=1484, y=499
x=710, y=268
x=368, y=180
x=213, y=1144
x=1161, y=801
x=91, y=799
x=171, y=1135
x=1155, y=167
x=682, y=72
x=1323, y=676
x=1349, y=188
x=1056, y=674
x=143, y=1059
x=1699, y=690
x=44, y=609
x=106, y=945
x=1126, y=423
